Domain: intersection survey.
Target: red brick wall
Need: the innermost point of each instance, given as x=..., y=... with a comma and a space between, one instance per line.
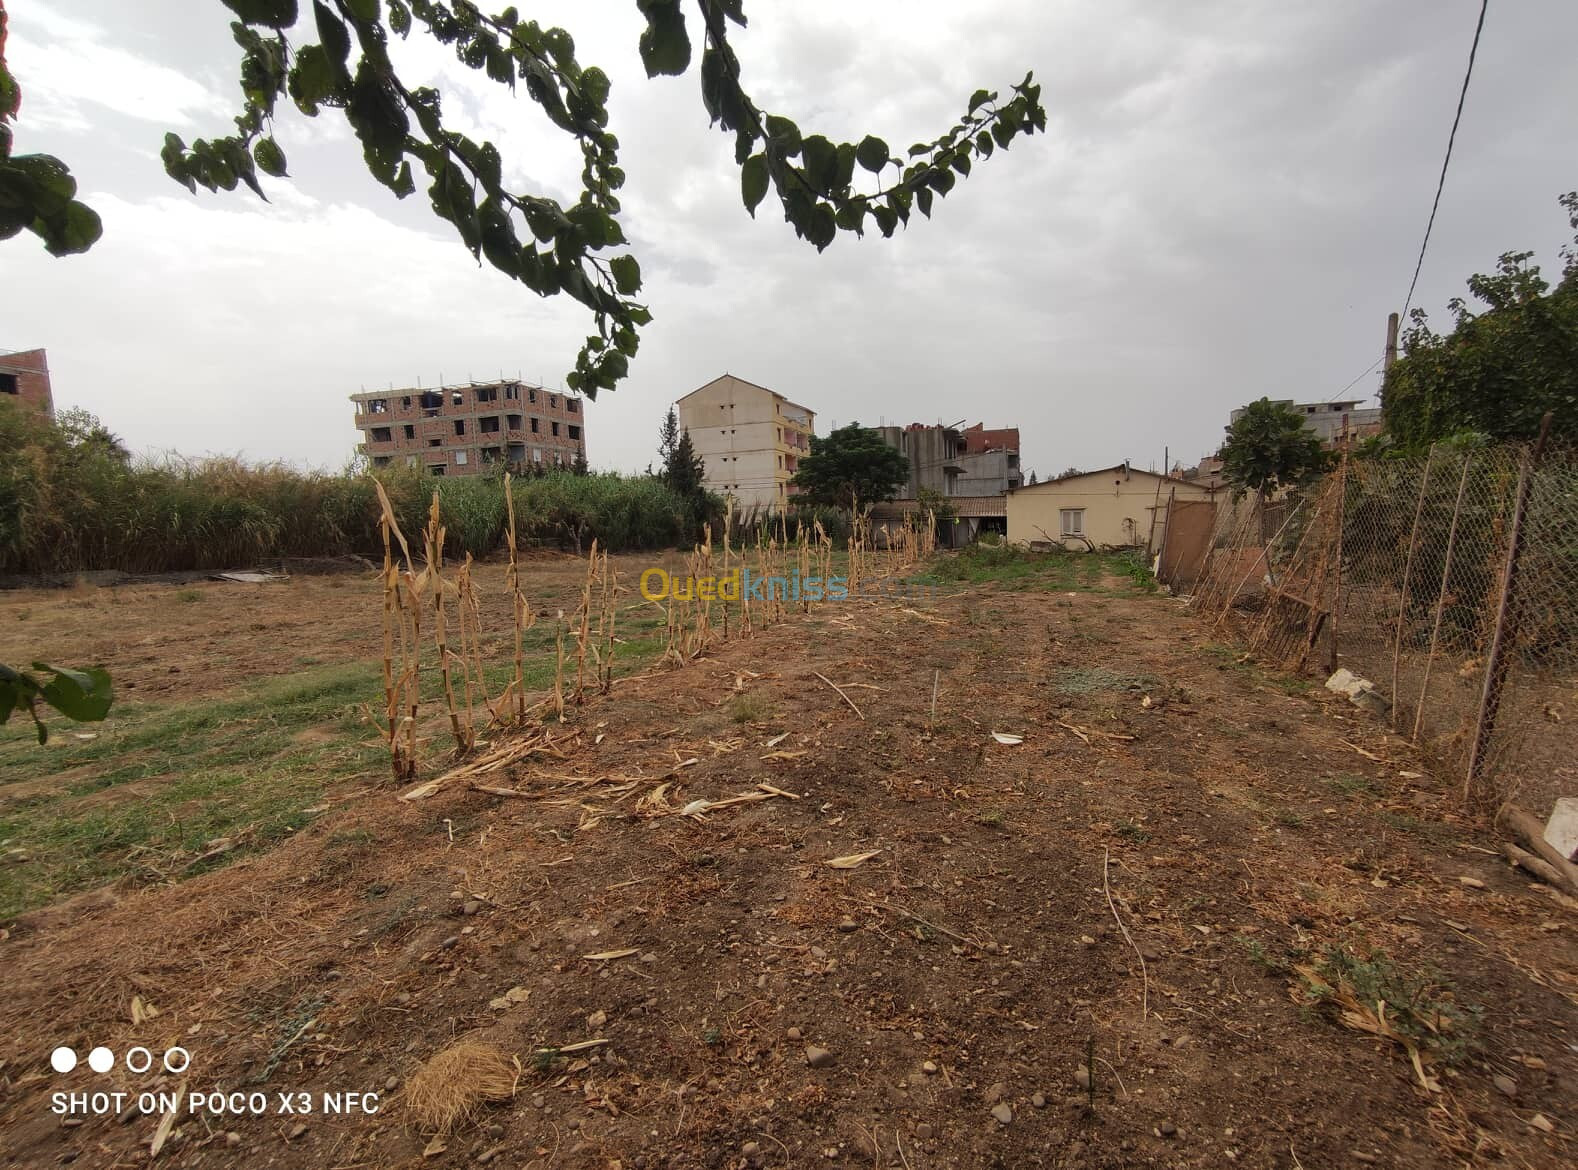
x=30, y=369
x=978, y=439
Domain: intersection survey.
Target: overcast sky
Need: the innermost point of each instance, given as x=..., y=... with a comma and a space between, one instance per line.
x=1228, y=202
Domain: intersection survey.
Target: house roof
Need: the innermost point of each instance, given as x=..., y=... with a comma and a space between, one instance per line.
x=1030, y=487
x=962, y=506
x=747, y=382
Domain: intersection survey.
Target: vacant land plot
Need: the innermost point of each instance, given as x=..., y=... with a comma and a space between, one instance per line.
x=1032, y=874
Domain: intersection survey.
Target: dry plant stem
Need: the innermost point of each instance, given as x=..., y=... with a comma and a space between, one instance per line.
x=840, y=691
x=1145, y=978
x=524, y=618
x=434, y=538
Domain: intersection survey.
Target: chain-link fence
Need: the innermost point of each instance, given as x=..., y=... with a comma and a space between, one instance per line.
x=1397, y=569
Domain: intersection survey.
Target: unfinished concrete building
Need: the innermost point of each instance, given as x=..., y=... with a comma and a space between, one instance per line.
x=954, y=462
x=473, y=428
x=24, y=378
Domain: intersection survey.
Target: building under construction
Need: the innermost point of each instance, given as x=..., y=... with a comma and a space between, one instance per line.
x=472, y=428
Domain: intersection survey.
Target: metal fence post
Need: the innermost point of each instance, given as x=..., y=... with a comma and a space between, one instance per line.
x=1506, y=628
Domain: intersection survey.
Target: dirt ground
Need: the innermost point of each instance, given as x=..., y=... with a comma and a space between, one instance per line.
x=1082, y=949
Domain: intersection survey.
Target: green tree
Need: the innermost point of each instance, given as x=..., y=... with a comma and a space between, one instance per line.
x=1500, y=369
x=684, y=471
x=1268, y=448
x=1032, y=479
x=668, y=438
x=850, y=466
x=338, y=58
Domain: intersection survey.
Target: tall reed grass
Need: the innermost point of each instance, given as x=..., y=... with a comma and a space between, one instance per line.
x=72, y=501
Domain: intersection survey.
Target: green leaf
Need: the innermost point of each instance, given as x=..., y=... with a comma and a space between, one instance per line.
x=665, y=45
x=872, y=153
x=364, y=10
x=273, y=13
x=923, y=199
x=820, y=163
x=753, y=182
x=77, y=229
x=269, y=157
x=979, y=98
x=314, y=79
x=627, y=275
x=983, y=143
x=335, y=36
x=784, y=133
x=82, y=695
x=823, y=228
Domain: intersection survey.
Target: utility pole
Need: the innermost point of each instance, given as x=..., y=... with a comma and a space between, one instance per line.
x=1391, y=340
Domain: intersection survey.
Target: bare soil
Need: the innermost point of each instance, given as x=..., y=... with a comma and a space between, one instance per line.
x=1167, y=801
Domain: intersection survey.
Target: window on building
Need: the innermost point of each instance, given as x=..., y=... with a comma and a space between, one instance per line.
x=405, y=403
x=531, y=396
x=490, y=426
x=460, y=426
x=490, y=454
x=534, y=426
x=410, y=431
x=514, y=422
x=380, y=434
x=488, y=394
x=1071, y=521
x=553, y=402
x=456, y=399
x=436, y=468
x=435, y=442
x=536, y=452
x=512, y=393
x=8, y=384
x=460, y=459
x=572, y=404
x=411, y=460
x=380, y=461
x=556, y=428
x=575, y=432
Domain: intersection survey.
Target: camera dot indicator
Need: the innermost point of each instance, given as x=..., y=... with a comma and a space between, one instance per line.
x=101, y=1060
x=63, y=1060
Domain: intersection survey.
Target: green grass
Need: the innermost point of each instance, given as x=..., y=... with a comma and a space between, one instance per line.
x=238, y=766
x=1020, y=569
x=1420, y=1002
x=1087, y=680
x=226, y=767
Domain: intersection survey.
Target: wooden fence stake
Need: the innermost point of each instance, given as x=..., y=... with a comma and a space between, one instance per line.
x=1506, y=630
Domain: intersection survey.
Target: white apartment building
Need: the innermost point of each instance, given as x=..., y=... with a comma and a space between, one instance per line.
x=750, y=438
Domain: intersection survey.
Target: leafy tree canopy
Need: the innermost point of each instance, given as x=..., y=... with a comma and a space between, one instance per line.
x=336, y=56
x=851, y=465
x=1499, y=369
x=1269, y=448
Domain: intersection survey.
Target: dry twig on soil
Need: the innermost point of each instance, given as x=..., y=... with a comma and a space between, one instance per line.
x=1106, y=888
x=840, y=691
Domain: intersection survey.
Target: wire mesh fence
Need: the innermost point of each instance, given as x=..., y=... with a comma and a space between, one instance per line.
x=1399, y=570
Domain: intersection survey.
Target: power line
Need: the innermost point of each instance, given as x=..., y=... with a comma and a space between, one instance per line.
x=1357, y=380
x=1441, y=182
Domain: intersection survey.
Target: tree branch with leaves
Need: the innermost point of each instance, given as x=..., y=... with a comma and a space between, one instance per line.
x=334, y=54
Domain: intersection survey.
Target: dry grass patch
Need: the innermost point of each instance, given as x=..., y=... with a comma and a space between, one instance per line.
x=452, y=1086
